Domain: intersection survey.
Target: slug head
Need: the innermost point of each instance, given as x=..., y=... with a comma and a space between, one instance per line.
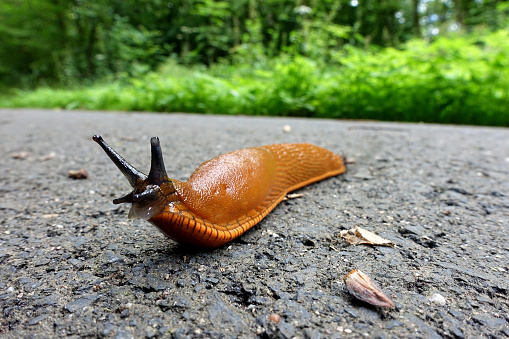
x=149, y=192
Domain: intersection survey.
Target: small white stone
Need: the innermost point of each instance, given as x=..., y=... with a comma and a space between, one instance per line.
x=438, y=299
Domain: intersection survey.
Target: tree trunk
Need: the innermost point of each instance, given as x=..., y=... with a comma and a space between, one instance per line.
x=460, y=12
x=416, y=18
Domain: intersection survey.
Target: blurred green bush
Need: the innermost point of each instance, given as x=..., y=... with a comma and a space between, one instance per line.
x=460, y=80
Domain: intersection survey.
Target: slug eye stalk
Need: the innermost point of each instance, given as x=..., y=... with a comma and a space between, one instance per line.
x=132, y=174
x=157, y=174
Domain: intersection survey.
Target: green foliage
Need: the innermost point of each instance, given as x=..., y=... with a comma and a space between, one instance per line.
x=61, y=42
x=133, y=48
x=461, y=80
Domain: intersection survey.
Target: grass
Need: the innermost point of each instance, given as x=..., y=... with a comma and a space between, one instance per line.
x=460, y=80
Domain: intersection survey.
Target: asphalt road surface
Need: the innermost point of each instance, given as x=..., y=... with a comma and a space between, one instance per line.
x=73, y=264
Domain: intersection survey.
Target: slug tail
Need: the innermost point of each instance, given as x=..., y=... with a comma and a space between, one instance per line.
x=132, y=174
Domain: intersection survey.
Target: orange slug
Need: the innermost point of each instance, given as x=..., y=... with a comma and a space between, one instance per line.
x=225, y=196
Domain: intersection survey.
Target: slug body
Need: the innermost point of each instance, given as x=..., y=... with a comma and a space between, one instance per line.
x=226, y=195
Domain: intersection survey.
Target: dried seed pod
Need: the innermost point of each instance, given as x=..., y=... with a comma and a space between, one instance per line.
x=363, y=288
x=358, y=235
x=78, y=174
x=21, y=155
x=293, y=196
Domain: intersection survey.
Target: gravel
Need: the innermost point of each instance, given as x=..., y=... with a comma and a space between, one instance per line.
x=73, y=264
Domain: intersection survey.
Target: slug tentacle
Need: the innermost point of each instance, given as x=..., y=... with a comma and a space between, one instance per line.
x=151, y=192
x=226, y=195
x=132, y=174
x=157, y=174
x=128, y=198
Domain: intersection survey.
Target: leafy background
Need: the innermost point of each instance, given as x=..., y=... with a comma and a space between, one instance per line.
x=405, y=60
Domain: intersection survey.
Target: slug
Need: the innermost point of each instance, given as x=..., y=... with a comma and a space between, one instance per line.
x=225, y=196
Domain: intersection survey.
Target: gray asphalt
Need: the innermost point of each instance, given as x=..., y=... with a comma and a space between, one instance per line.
x=73, y=264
